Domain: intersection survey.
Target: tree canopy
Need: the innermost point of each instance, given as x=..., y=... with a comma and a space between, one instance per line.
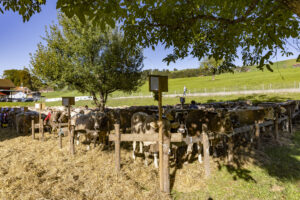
x=88, y=58
x=26, y=8
x=259, y=29
x=22, y=78
x=202, y=28
x=210, y=66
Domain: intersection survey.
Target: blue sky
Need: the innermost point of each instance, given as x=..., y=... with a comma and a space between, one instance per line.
x=18, y=39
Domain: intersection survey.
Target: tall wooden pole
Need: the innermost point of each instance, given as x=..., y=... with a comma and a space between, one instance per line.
x=257, y=134
x=117, y=147
x=160, y=142
x=40, y=121
x=205, y=142
x=43, y=134
x=71, y=132
x=166, y=167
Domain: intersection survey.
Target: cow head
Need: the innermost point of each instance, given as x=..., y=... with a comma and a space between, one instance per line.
x=100, y=120
x=269, y=113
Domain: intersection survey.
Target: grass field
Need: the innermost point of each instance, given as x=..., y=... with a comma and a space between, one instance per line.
x=175, y=100
x=284, y=76
x=34, y=169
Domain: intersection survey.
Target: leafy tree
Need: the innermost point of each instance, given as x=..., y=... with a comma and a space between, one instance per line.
x=202, y=28
x=211, y=66
x=23, y=78
x=88, y=58
x=26, y=8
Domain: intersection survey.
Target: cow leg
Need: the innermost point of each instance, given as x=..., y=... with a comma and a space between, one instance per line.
x=188, y=153
x=77, y=138
x=141, y=147
x=88, y=141
x=251, y=136
x=215, y=154
x=199, y=147
x=133, y=151
x=147, y=154
x=155, y=160
x=95, y=139
x=287, y=125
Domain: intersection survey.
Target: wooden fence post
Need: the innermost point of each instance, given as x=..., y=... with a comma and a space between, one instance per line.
x=160, y=142
x=276, y=125
x=72, y=147
x=43, y=134
x=166, y=166
x=205, y=150
x=117, y=148
x=40, y=123
x=32, y=129
x=59, y=136
x=257, y=134
x=290, y=122
x=230, y=150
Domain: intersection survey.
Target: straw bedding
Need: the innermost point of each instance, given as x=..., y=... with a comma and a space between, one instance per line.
x=34, y=169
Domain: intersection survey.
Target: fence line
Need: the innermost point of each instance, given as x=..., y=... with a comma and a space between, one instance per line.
x=221, y=91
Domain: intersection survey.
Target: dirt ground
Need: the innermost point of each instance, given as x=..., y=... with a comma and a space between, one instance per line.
x=35, y=169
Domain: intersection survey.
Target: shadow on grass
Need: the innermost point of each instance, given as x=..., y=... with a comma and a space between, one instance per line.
x=238, y=172
x=284, y=160
x=255, y=99
x=281, y=162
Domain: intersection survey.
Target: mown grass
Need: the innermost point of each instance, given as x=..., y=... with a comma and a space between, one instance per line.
x=284, y=76
x=173, y=100
x=276, y=177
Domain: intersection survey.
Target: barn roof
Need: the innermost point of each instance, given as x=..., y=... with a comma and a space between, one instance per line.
x=5, y=83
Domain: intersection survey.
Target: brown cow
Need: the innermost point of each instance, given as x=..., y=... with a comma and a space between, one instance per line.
x=142, y=123
x=217, y=122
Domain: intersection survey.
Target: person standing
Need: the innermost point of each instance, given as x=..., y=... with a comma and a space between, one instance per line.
x=184, y=91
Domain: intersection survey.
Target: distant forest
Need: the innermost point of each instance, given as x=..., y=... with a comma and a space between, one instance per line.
x=187, y=72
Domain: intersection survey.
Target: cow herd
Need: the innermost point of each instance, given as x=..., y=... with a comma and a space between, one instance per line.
x=220, y=119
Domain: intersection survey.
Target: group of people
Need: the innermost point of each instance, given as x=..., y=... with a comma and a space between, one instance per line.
x=3, y=118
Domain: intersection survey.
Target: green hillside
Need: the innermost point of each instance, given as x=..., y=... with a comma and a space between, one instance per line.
x=284, y=76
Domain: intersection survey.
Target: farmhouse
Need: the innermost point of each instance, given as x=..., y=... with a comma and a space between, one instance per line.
x=5, y=86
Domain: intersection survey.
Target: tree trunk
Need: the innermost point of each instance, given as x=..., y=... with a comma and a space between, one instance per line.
x=95, y=100
x=103, y=98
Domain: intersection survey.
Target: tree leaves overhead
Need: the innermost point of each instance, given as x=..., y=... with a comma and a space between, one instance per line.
x=88, y=58
x=215, y=28
x=26, y=8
